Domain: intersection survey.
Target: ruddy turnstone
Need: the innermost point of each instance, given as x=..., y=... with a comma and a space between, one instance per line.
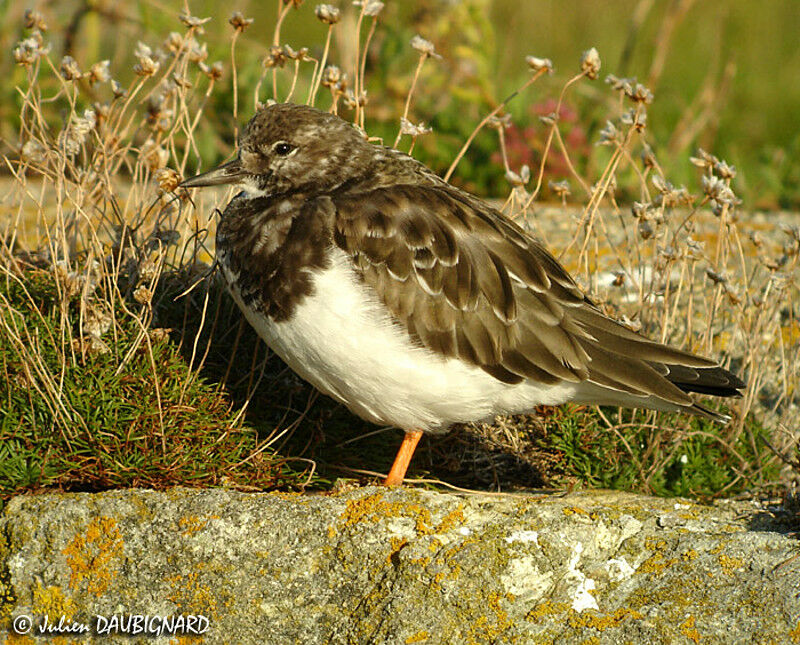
x=414, y=303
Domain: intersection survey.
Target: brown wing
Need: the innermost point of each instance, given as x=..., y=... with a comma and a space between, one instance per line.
x=469, y=283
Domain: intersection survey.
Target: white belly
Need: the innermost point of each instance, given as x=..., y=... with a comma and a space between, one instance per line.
x=341, y=340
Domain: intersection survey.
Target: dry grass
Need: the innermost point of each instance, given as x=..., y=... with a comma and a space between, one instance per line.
x=92, y=205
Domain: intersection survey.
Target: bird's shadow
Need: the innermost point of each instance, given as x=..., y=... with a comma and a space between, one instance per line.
x=311, y=430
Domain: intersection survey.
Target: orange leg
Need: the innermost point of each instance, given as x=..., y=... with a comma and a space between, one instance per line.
x=403, y=458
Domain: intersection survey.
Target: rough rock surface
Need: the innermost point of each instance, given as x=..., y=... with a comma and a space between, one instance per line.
x=402, y=566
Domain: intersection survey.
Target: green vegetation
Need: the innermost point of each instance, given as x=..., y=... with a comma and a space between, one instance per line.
x=123, y=362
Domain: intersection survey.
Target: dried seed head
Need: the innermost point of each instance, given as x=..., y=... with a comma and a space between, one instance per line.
x=97, y=319
x=514, y=179
x=143, y=295
x=640, y=210
x=499, y=122
x=193, y=22
x=668, y=253
x=371, y=8
x=590, y=64
x=69, y=69
x=424, y=47
x=756, y=239
x=154, y=155
x=147, y=269
x=300, y=54
x=276, y=57
x=539, y=64
x=646, y=230
x=661, y=184
x=648, y=157
x=559, y=188
x=73, y=136
x=34, y=20
x=331, y=76
x=694, y=250
x=327, y=13
x=160, y=334
x=99, y=73
x=147, y=65
x=173, y=43
x=180, y=81
x=239, y=22
x=724, y=170
x=411, y=129
x=641, y=94
x=213, y=71
x=704, y=160
x=619, y=279
x=635, y=117
x=168, y=179
x=28, y=51
x=197, y=53
x=718, y=190
x=33, y=151
x=609, y=135
x=549, y=119
x=733, y=297
x=118, y=90
x=716, y=277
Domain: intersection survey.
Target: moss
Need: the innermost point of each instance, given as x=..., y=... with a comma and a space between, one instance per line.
x=95, y=555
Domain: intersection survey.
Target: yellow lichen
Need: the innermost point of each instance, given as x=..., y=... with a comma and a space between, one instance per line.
x=729, y=564
x=373, y=508
x=601, y=622
x=688, y=629
x=575, y=510
x=453, y=518
x=51, y=601
x=419, y=637
x=690, y=555
x=794, y=635
x=396, y=544
x=93, y=556
x=191, y=524
x=545, y=609
x=191, y=596
x=489, y=629
x=656, y=564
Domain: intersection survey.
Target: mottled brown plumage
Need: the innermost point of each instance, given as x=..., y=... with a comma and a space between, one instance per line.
x=455, y=276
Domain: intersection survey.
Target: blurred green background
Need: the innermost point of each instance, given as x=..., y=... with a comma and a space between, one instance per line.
x=724, y=74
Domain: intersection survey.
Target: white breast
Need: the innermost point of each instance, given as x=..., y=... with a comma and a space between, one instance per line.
x=342, y=340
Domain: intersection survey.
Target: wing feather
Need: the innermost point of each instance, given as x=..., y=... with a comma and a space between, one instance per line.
x=468, y=283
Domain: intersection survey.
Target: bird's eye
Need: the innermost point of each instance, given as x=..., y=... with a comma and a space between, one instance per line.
x=282, y=148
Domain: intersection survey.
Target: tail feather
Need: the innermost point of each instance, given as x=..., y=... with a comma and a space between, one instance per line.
x=628, y=369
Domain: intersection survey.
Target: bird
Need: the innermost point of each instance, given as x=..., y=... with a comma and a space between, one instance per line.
x=414, y=303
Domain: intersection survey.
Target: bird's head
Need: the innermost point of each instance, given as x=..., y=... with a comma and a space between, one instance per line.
x=292, y=148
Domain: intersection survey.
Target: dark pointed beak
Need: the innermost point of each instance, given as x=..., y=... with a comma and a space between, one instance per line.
x=228, y=173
